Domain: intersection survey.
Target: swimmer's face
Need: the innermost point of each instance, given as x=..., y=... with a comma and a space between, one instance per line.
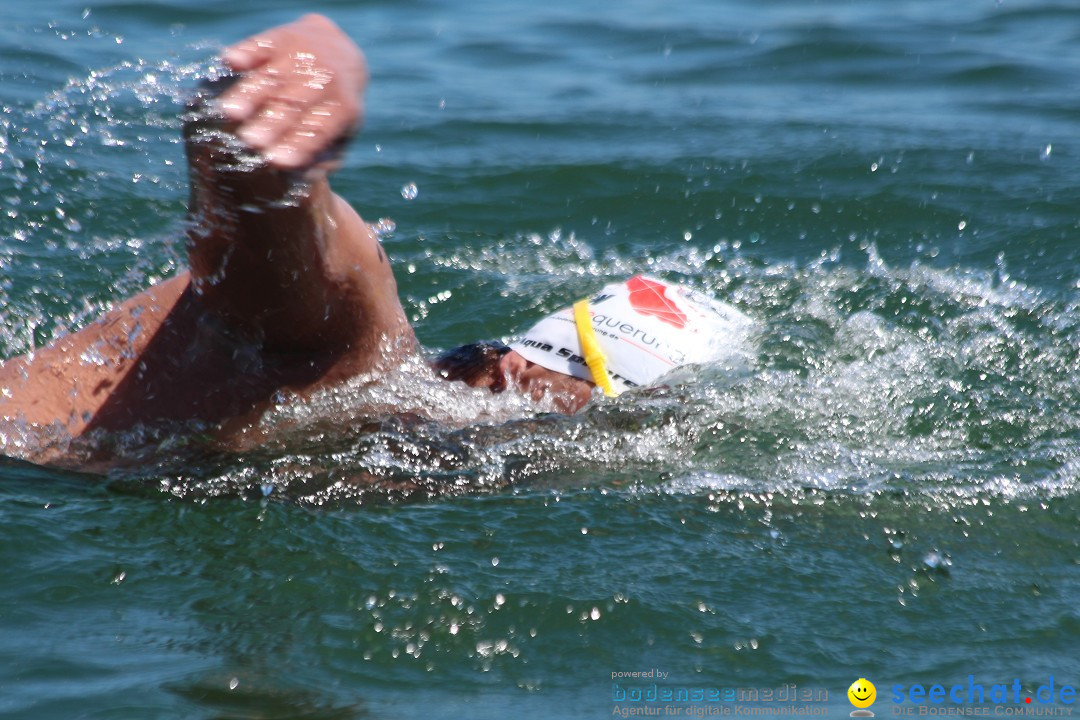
x=569, y=393
x=485, y=365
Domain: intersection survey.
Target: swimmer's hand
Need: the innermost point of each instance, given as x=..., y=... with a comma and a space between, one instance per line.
x=301, y=93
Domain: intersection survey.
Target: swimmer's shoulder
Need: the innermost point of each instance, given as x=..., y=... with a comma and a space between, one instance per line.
x=69, y=381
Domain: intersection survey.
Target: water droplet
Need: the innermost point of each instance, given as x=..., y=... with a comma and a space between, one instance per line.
x=1045, y=154
x=938, y=561
x=384, y=227
x=595, y=613
x=410, y=191
x=234, y=683
x=494, y=562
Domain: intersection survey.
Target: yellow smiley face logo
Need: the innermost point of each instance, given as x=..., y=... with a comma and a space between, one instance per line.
x=862, y=693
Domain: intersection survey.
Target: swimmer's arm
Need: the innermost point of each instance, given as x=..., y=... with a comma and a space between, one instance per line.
x=273, y=250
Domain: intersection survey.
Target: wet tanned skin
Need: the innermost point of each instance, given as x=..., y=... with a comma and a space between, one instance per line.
x=569, y=394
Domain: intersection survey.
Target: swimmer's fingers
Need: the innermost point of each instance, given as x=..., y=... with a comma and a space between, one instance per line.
x=248, y=57
x=295, y=136
x=249, y=54
x=262, y=48
x=301, y=91
x=315, y=138
x=298, y=122
x=248, y=95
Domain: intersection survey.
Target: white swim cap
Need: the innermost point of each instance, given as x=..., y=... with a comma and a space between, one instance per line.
x=644, y=327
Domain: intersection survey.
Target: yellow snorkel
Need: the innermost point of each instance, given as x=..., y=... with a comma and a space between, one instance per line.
x=590, y=348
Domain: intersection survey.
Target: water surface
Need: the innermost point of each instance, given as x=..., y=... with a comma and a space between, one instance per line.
x=889, y=490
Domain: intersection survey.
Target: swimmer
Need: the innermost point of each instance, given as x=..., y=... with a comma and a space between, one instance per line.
x=289, y=289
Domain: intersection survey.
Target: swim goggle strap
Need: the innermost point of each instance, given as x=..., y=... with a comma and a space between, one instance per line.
x=590, y=348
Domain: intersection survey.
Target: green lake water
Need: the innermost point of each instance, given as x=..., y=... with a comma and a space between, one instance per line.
x=889, y=488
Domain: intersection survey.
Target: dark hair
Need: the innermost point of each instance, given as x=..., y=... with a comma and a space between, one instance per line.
x=475, y=363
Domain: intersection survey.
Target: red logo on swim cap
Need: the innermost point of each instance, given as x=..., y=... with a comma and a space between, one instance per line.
x=648, y=298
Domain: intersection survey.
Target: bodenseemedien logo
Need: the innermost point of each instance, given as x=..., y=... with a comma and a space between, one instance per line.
x=862, y=694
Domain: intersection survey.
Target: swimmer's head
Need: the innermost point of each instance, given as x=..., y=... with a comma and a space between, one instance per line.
x=634, y=332
x=210, y=135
